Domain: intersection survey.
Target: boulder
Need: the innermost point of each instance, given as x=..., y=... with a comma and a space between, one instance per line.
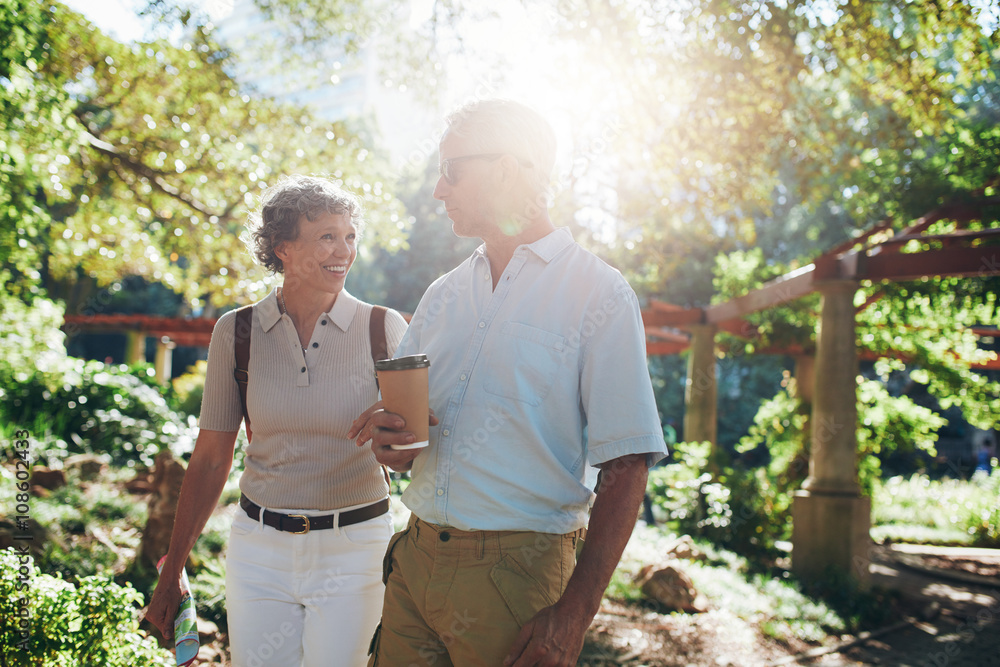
x=47, y=478
x=208, y=631
x=683, y=548
x=670, y=588
x=91, y=466
x=140, y=484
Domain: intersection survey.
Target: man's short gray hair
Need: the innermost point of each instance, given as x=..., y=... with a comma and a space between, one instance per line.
x=505, y=126
x=282, y=206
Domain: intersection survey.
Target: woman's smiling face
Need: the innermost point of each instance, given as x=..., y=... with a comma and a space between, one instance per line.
x=323, y=253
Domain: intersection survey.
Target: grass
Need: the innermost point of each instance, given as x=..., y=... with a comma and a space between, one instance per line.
x=775, y=606
x=947, y=511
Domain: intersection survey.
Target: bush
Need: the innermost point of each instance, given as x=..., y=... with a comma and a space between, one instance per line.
x=189, y=388
x=88, y=407
x=91, y=623
x=950, y=511
x=726, y=503
x=72, y=406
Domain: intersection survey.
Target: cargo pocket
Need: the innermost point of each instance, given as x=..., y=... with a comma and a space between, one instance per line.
x=520, y=591
x=387, y=559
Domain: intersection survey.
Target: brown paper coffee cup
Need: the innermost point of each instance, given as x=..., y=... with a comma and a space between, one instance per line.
x=403, y=382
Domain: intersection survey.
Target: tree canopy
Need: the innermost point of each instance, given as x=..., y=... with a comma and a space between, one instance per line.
x=713, y=144
x=143, y=159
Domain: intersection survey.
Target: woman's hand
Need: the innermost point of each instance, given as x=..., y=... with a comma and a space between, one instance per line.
x=163, y=607
x=361, y=428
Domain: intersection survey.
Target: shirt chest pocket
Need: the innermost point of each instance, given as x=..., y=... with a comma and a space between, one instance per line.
x=524, y=362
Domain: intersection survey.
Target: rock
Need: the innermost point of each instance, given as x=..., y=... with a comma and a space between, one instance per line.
x=40, y=491
x=168, y=473
x=47, y=478
x=90, y=466
x=671, y=588
x=683, y=548
x=141, y=483
x=208, y=631
x=209, y=654
x=30, y=533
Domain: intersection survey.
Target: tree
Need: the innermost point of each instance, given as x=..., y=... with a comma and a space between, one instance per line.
x=143, y=160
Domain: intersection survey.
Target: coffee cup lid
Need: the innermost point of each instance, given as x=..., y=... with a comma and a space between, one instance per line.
x=403, y=363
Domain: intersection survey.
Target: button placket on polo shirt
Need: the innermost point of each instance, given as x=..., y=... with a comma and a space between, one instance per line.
x=298, y=356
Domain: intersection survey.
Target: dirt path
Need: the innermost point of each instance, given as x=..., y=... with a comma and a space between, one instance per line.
x=954, y=600
x=949, y=616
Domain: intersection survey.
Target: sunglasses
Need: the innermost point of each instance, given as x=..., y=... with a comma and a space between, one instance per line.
x=447, y=167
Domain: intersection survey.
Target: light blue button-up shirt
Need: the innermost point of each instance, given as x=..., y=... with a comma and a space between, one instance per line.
x=530, y=382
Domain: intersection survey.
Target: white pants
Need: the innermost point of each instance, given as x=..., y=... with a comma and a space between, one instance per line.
x=312, y=600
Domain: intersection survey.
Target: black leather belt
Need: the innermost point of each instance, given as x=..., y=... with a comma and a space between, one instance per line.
x=300, y=524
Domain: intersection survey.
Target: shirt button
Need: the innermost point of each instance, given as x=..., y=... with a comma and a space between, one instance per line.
x=315, y=344
x=444, y=536
x=303, y=369
x=440, y=492
x=446, y=432
x=323, y=322
x=462, y=377
x=482, y=324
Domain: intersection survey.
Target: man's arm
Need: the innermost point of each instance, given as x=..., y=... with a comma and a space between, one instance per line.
x=554, y=637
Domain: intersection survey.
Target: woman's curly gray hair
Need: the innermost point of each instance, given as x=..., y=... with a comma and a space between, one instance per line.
x=276, y=220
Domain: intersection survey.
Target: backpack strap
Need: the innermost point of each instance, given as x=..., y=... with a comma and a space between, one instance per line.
x=376, y=331
x=244, y=327
x=380, y=351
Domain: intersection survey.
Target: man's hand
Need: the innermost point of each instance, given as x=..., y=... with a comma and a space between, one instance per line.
x=163, y=606
x=385, y=429
x=552, y=638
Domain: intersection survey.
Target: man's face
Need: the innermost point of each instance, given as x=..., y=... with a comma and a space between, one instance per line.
x=468, y=199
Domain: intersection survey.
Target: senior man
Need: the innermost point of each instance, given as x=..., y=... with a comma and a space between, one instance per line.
x=538, y=367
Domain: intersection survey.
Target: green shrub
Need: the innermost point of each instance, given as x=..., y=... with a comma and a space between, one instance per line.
x=91, y=623
x=984, y=522
x=72, y=406
x=730, y=505
x=947, y=511
x=189, y=388
x=88, y=407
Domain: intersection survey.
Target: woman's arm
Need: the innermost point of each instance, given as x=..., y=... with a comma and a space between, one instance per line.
x=203, y=483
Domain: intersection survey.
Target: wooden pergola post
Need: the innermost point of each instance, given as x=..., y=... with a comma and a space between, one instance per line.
x=700, y=418
x=135, y=346
x=830, y=517
x=164, y=359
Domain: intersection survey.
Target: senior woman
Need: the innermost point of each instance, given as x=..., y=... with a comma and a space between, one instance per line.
x=303, y=581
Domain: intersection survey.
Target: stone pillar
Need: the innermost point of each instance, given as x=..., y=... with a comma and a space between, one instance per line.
x=135, y=347
x=805, y=378
x=700, y=391
x=803, y=387
x=831, y=520
x=164, y=359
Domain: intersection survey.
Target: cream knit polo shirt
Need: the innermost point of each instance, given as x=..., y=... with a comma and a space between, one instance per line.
x=301, y=405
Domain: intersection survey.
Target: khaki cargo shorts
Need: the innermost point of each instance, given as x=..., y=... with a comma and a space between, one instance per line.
x=459, y=598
